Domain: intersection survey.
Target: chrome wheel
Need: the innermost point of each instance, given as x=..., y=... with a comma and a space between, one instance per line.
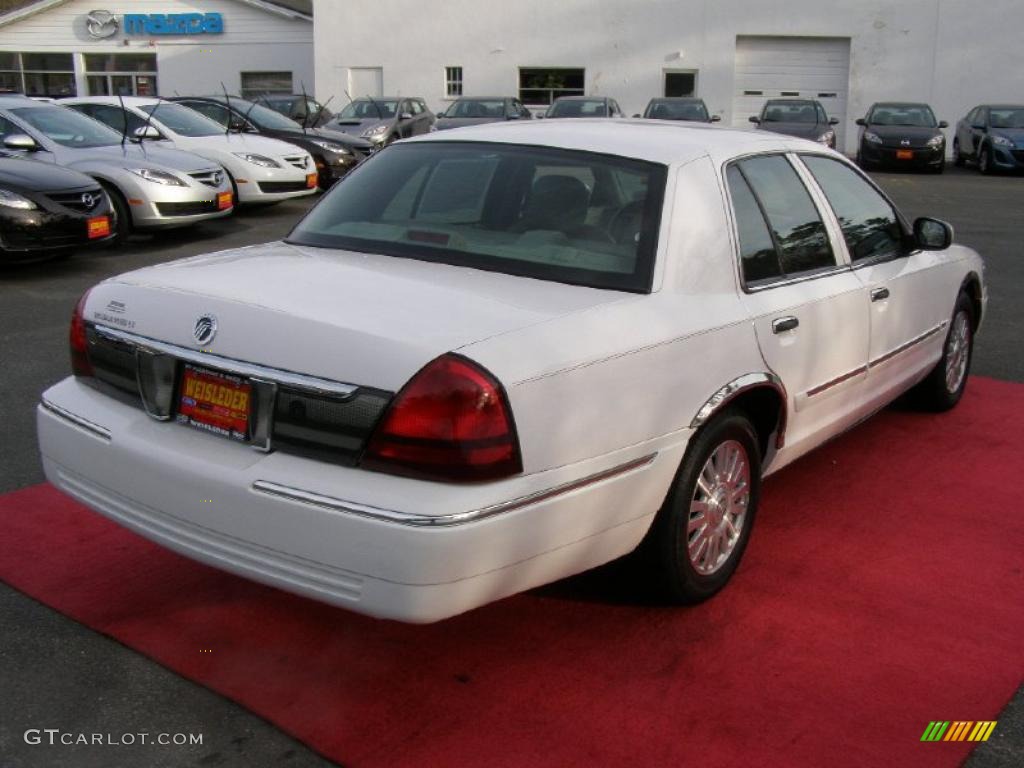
x=718, y=508
x=958, y=349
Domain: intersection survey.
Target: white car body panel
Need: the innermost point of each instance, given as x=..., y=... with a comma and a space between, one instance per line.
x=606, y=388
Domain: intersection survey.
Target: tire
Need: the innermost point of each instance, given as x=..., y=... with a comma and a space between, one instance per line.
x=985, y=160
x=958, y=159
x=681, y=556
x=123, y=225
x=945, y=385
x=939, y=168
x=234, y=192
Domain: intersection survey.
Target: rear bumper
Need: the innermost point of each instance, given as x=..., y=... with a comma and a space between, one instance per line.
x=380, y=545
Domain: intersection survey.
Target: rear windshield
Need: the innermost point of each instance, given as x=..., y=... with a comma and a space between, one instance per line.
x=552, y=214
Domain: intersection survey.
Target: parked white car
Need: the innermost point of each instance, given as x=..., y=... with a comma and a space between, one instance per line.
x=261, y=169
x=499, y=356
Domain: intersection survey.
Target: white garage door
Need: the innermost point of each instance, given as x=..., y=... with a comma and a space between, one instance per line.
x=804, y=67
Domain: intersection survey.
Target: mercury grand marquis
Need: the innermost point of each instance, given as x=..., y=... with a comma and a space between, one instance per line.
x=492, y=358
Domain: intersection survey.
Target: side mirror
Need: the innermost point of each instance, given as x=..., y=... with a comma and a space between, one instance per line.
x=541, y=115
x=833, y=121
x=932, y=234
x=754, y=119
x=943, y=124
x=861, y=121
x=405, y=116
x=514, y=116
x=637, y=115
x=978, y=127
x=21, y=141
x=716, y=119
x=146, y=132
x=236, y=124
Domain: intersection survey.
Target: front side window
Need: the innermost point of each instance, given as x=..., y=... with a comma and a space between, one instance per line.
x=870, y=226
x=121, y=120
x=67, y=127
x=551, y=214
x=799, y=235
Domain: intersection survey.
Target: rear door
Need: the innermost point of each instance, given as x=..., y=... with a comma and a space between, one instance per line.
x=809, y=311
x=907, y=295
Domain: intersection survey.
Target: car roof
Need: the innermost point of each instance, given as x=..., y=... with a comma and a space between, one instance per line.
x=582, y=98
x=1002, y=106
x=791, y=100
x=660, y=141
x=900, y=104
x=16, y=99
x=485, y=98
x=129, y=101
x=677, y=98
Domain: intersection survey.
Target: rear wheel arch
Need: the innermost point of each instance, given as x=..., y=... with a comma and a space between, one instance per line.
x=761, y=397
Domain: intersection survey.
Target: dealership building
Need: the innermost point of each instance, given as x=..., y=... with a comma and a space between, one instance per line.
x=734, y=54
x=58, y=48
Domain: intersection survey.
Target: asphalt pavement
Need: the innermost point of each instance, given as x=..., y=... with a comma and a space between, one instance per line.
x=56, y=673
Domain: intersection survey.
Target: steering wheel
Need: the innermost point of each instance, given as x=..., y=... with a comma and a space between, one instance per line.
x=624, y=227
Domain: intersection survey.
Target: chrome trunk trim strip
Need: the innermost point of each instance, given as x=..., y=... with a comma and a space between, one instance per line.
x=91, y=427
x=456, y=518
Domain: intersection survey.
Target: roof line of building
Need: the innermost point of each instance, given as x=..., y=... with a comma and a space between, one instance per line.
x=44, y=5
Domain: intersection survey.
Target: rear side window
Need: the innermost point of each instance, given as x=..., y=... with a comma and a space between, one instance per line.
x=757, y=249
x=870, y=225
x=799, y=235
x=551, y=214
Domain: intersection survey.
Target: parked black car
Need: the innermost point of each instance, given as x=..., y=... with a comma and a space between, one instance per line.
x=482, y=109
x=46, y=211
x=303, y=109
x=901, y=134
x=689, y=109
x=584, y=106
x=335, y=153
x=803, y=118
x=384, y=120
x=992, y=136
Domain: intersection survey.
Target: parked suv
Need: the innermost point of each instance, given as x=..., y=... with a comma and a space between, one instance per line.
x=384, y=120
x=901, y=134
x=150, y=187
x=260, y=169
x=333, y=153
x=803, y=118
x=992, y=136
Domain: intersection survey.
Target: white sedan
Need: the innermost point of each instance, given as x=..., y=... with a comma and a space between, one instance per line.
x=261, y=169
x=492, y=358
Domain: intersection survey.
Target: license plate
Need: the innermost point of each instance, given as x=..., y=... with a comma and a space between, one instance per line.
x=215, y=402
x=224, y=201
x=310, y=180
x=904, y=154
x=97, y=226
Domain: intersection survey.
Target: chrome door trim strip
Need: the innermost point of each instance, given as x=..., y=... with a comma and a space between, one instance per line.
x=91, y=427
x=238, y=367
x=905, y=347
x=455, y=518
x=738, y=386
x=836, y=381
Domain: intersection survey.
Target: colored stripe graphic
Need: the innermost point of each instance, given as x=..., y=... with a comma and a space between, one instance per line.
x=959, y=730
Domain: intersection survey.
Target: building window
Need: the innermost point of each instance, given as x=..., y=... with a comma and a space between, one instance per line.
x=541, y=86
x=256, y=84
x=453, y=82
x=680, y=83
x=38, y=74
x=121, y=74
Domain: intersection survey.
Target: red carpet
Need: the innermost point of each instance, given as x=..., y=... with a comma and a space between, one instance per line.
x=882, y=589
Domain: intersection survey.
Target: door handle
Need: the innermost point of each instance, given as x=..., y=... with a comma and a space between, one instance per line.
x=783, y=324
x=878, y=294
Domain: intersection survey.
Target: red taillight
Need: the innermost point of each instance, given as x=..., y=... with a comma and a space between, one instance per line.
x=450, y=422
x=80, y=365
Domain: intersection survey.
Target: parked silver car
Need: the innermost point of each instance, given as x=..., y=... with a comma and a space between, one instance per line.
x=150, y=187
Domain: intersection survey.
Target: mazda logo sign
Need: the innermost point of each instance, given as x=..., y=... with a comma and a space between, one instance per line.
x=205, y=329
x=904, y=142
x=89, y=200
x=101, y=24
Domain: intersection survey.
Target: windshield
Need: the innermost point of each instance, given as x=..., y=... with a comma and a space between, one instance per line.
x=477, y=108
x=264, y=117
x=364, y=109
x=68, y=127
x=677, y=110
x=182, y=120
x=1007, y=117
x=799, y=112
x=578, y=108
x=918, y=115
x=551, y=214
